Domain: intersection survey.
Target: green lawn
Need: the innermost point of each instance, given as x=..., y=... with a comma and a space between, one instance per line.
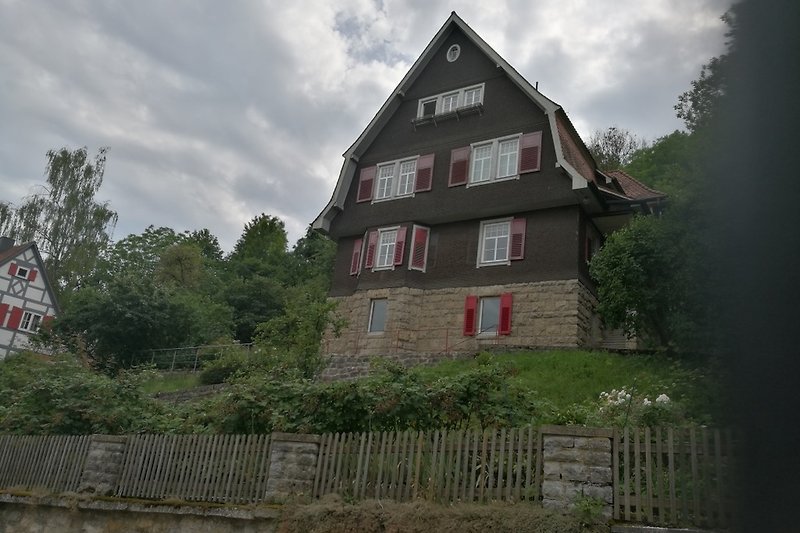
x=568, y=377
x=171, y=382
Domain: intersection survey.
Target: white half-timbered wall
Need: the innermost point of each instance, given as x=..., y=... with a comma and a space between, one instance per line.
x=20, y=295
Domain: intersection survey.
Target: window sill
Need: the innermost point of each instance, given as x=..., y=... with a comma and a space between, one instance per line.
x=493, y=180
x=390, y=198
x=474, y=109
x=494, y=263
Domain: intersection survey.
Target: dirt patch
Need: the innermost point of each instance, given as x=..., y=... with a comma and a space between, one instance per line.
x=332, y=515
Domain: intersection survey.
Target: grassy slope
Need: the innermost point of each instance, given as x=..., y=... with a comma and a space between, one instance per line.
x=568, y=377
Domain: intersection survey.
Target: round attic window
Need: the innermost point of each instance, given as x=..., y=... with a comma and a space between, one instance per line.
x=453, y=52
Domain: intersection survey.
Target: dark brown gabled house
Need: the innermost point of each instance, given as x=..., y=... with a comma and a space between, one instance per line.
x=465, y=215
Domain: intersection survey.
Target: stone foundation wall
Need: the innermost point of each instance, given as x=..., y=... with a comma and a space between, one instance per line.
x=576, y=464
x=426, y=325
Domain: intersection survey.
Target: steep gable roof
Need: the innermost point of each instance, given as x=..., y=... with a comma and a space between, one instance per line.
x=579, y=166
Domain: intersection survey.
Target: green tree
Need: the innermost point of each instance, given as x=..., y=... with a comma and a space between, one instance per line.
x=138, y=254
x=613, y=148
x=671, y=164
x=181, y=265
x=648, y=277
x=207, y=242
x=117, y=323
x=263, y=240
x=70, y=227
x=296, y=333
x=312, y=257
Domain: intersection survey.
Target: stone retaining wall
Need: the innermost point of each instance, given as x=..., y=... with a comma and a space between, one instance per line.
x=36, y=515
x=103, y=464
x=426, y=325
x=576, y=464
x=293, y=464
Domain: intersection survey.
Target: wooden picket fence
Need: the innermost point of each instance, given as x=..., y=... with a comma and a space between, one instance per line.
x=674, y=476
x=443, y=466
x=54, y=462
x=209, y=468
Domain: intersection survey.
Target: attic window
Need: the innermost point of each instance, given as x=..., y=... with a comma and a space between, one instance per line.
x=453, y=52
x=22, y=272
x=451, y=103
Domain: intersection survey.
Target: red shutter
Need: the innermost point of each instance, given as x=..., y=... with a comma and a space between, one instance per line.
x=419, y=249
x=16, y=317
x=459, y=166
x=32, y=275
x=424, y=173
x=504, y=328
x=3, y=312
x=470, y=310
x=517, y=238
x=12, y=269
x=47, y=322
x=355, y=261
x=530, y=152
x=372, y=242
x=400, y=246
x=365, y=180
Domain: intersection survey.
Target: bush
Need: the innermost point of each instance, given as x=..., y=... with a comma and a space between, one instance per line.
x=228, y=361
x=63, y=397
x=394, y=398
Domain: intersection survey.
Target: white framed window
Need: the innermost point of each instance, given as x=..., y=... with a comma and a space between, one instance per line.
x=408, y=171
x=489, y=316
x=395, y=179
x=495, y=237
x=387, y=238
x=453, y=52
x=385, y=178
x=450, y=101
x=22, y=272
x=30, y=321
x=494, y=160
x=481, y=163
x=473, y=96
x=377, y=315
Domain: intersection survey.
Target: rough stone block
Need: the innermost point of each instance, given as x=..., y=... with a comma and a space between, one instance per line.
x=554, y=443
x=593, y=443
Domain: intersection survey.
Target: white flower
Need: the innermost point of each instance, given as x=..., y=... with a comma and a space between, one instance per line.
x=628, y=397
x=646, y=402
x=662, y=399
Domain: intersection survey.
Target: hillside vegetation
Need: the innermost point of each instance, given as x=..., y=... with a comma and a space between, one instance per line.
x=266, y=392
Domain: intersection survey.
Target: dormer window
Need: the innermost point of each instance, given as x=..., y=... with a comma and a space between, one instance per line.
x=451, y=101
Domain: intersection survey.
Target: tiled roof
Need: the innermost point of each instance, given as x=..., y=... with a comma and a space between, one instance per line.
x=14, y=251
x=634, y=189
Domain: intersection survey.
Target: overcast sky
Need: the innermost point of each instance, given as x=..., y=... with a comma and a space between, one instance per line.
x=217, y=111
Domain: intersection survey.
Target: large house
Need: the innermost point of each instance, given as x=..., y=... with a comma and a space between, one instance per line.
x=466, y=213
x=26, y=298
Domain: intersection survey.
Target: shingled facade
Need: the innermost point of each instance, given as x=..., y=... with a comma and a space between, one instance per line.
x=466, y=213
